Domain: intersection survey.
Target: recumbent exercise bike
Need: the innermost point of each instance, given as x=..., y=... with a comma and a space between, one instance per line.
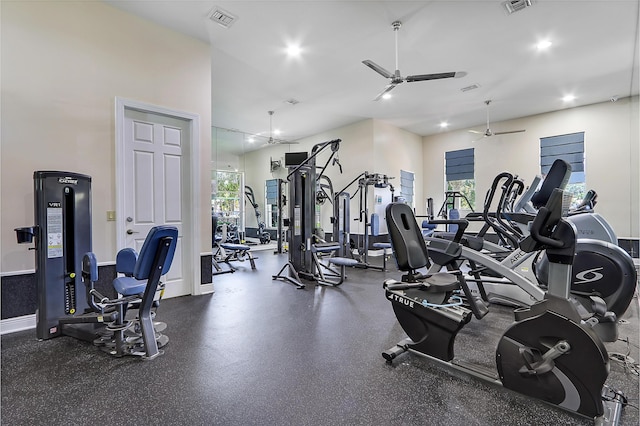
x=549, y=352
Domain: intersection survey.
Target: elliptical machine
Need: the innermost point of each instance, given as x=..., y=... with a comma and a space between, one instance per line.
x=549, y=352
x=510, y=275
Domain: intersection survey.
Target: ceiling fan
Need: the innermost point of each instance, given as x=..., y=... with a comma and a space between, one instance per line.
x=488, y=133
x=396, y=78
x=271, y=140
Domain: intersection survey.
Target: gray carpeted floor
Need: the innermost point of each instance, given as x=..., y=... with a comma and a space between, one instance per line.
x=261, y=352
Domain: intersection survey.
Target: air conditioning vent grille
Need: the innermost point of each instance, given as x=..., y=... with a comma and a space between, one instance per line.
x=471, y=87
x=513, y=6
x=222, y=17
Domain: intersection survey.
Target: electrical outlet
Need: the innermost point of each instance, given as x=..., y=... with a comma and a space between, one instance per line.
x=111, y=215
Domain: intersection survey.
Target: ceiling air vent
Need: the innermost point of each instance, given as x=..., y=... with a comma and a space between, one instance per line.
x=516, y=5
x=471, y=87
x=222, y=17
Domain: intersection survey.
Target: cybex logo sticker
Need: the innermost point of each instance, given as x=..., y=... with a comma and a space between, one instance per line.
x=68, y=180
x=589, y=276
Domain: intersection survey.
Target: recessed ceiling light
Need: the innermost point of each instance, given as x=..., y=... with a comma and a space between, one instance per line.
x=444, y=124
x=386, y=96
x=294, y=50
x=251, y=139
x=276, y=132
x=544, y=44
x=568, y=98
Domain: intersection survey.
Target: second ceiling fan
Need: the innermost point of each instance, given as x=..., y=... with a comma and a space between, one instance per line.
x=488, y=132
x=396, y=78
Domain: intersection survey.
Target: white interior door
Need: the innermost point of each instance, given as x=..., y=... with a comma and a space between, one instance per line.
x=153, y=191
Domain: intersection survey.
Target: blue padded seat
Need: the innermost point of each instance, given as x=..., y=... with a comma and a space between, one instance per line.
x=126, y=261
x=325, y=247
x=230, y=252
x=428, y=228
x=128, y=286
x=235, y=247
x=382, y=245
x=136, y=284
x=343, y=261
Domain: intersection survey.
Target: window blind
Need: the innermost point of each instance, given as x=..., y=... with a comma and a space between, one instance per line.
x=569, y=148
x=459, y=165
x=406, y=186
x=272, y=191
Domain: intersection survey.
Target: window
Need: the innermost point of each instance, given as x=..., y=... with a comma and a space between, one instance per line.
x=406, y=186
x=271, y=201
x=459, y=172
x=226, y=197
x=569, y=148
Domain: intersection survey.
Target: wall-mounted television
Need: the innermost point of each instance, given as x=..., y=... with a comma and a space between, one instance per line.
x=294, y=158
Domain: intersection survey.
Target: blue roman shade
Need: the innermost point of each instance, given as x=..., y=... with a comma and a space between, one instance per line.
x=406, y=186
x=569, y=148
x=459, y=165
x=272, y=191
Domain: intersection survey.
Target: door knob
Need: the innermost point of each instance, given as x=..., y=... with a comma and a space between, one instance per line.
x=131, y=231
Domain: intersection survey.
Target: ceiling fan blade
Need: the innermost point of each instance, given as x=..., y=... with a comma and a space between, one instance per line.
x=276, y=141
x=477, y=132
x=273, y=141
x=437, y=76
x=387, y=89
x=510, y=131
x=377, y=68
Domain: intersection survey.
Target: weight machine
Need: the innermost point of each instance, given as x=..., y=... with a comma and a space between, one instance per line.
x=341, y=228
x=68, y=302
x=263, y=235
x=303, y=179
x=281, y=203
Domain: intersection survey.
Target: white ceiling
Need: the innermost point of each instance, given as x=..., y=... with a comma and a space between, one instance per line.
x=594, y=56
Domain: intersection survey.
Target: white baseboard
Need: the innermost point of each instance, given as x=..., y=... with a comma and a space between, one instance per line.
x=206, y=289
x=11, y=325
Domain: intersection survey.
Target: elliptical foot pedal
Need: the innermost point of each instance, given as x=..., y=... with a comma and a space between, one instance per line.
x=162, y=340
x=481, y=307
x=159, y=326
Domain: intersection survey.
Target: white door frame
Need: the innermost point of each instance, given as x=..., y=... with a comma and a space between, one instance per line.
x=191, y=203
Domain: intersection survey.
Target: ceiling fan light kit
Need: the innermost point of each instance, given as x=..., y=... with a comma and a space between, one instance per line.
x=396, y=78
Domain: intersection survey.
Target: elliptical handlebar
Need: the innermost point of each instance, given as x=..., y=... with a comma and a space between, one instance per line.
x=508, y=177
x=504, y=231
x=550, y=231
x=539, y=223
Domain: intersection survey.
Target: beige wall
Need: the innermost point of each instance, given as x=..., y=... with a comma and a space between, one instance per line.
x=611, y=152
x=395, y=150
x=369, y=145
x=355, y=154
x=63, y=64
